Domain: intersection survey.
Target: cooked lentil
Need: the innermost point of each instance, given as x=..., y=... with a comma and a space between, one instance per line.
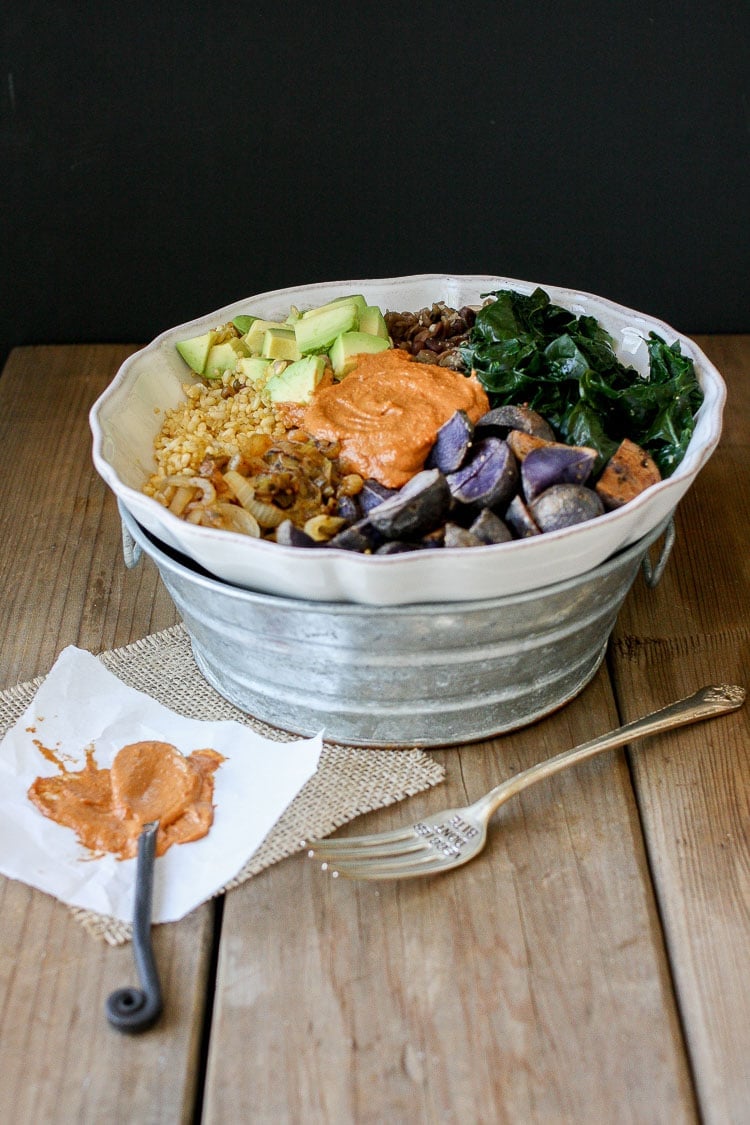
x=434, y=334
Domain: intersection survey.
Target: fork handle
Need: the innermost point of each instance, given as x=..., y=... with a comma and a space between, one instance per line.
x=704, y=704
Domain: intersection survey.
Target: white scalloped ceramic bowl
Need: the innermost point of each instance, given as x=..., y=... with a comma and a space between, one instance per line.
x=128, y=415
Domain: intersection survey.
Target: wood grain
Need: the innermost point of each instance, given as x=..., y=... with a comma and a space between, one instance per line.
x=694, y=787
x=481, y=995
x=64, y=582
x=60, y=556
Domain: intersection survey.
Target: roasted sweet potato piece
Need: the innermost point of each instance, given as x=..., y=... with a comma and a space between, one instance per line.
x=522, y=443
x=628, y=472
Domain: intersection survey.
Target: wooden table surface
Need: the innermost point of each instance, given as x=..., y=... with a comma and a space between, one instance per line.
x=592, y=965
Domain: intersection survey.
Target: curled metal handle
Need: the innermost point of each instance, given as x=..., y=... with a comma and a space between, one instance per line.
x=136, y=1009
x=652, y=572
x=131, y=551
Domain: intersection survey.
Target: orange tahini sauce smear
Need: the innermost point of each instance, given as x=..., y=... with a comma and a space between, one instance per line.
x=108, y=808
x=386, y=412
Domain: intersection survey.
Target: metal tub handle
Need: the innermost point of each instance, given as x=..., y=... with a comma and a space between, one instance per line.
x=652, y=572
x=131, y=550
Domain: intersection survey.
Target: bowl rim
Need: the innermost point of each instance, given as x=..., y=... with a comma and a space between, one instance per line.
x=156, y=551
x=709, y=416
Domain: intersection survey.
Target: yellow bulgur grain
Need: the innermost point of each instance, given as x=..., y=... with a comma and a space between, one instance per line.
x=208, y=424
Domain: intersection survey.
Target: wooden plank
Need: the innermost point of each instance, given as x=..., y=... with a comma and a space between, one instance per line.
x=59, y=1059
x=693, y=786
x=60, y=541
x=529, y=986
x=64, y=582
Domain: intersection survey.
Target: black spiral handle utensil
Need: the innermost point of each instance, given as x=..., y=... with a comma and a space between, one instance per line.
x=136, y=1009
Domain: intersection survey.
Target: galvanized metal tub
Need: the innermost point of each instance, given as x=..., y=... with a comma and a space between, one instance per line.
x=415, y=675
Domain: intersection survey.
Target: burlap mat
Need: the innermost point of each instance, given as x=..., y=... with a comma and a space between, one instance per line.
x=349, y=780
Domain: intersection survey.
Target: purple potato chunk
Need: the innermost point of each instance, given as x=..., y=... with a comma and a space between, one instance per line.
x=417, y=508
x=289, y=535
x=347, y=507
x=489, y=528
x=489, y=478
x=520, y=520
x=555, y=464
x=457, y=536
x=452, y=443
x=374, y=493
x=360, y=536
x=564, y=505
x=401, y=546
x=500, y=421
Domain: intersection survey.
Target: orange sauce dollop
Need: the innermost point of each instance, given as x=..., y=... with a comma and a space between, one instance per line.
x=386, y=412
x=108, y=808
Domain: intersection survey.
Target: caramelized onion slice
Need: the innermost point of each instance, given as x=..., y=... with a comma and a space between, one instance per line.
x=236, y=518
x=204, y=486
x=266, y=514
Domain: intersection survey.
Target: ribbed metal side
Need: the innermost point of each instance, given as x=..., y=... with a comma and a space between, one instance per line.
x=422, y=675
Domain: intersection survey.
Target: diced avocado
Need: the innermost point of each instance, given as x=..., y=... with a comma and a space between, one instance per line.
x=294, y=314
x=315, y=334
x=349, y=345
x=195, y=350
x=352, y=298
x=298, y=381
x=242, y=323
x=280, y=343
x=253, y=368
x=223, y=357
x=356, y=301
x=254, y=336
x=372, y=320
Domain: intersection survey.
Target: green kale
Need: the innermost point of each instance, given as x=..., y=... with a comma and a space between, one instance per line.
x=677, y=396
x=526, y=349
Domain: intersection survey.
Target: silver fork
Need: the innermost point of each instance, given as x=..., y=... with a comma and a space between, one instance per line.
x=450, y=838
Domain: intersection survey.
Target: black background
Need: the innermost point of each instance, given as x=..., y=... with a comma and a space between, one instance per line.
x=158, y=161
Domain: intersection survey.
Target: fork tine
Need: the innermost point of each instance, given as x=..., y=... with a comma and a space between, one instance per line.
x=399, y=867
x=347, y=843
x=360, y=849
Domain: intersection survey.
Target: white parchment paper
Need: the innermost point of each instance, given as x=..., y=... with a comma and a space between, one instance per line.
x=82, y=704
